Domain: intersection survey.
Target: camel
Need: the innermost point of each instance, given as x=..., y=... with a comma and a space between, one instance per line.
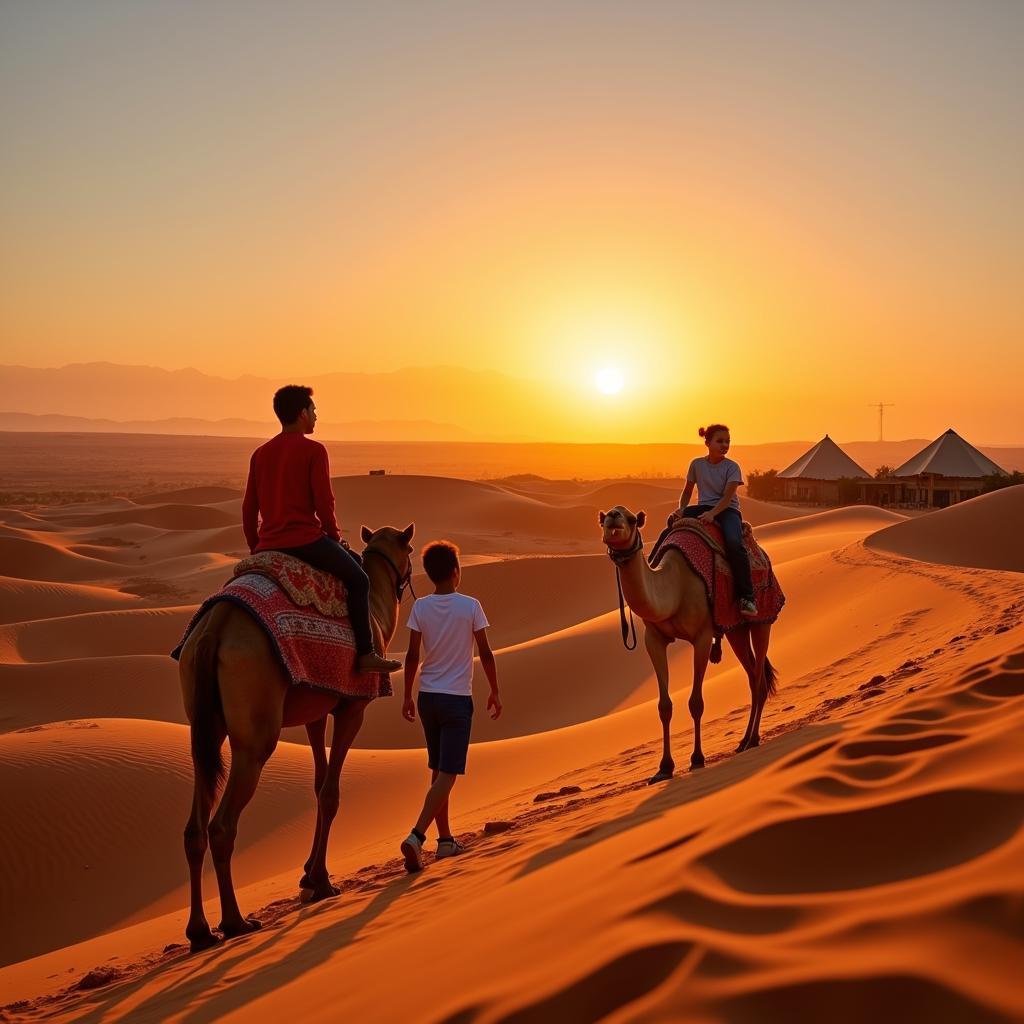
x=673, y=605
x=234, y=687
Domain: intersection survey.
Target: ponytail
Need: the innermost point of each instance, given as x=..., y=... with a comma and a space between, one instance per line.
x=709, y=432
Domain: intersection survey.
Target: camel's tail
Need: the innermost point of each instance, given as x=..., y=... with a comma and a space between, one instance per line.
x=206, y=738
x=770, y=679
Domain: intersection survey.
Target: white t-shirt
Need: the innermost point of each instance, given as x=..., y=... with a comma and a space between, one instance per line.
x=447, y=622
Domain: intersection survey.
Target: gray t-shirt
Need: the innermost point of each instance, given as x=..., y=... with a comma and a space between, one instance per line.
x=711, y=480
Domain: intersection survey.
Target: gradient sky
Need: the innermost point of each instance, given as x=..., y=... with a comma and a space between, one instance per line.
x=771, y=213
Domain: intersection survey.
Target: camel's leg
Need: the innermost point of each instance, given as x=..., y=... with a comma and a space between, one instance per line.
x=252, y=693
x=701, y=653
x=196, y=842
x=348, y=719
x=739, y=641
x=317, y=733
x=246, y=767
x=657, y=650
x=759, y=638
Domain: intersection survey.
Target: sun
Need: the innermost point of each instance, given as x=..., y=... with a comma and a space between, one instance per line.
x=609, y=380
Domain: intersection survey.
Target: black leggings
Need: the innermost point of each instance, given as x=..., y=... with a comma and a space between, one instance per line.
x=327, y=554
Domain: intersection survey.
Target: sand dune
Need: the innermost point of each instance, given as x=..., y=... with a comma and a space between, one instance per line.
x=22, y=600
x=165, y=517
x=190, y=496
x=984, y=532
x=94, y=634
x=869, y=851
x=39, y=560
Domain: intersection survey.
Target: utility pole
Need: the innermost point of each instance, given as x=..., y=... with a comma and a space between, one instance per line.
x=881, y=407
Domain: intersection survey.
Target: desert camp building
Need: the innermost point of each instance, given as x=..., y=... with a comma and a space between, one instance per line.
x=815, y=476
x=947, y=471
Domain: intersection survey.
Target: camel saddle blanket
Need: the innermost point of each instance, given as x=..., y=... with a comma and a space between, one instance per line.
x=304, y=613
x=702, y=547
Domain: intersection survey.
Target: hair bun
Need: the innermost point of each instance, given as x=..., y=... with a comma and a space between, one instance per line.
x=700, y=431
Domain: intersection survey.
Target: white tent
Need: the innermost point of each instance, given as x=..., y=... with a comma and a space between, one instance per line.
x=949, y=455
x=825, y=461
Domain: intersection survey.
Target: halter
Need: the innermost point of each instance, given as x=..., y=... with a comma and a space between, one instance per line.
x=401, y=581
x=620, y=558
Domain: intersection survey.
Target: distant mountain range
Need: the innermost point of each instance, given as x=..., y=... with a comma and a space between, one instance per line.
x=363, y=431
x=419, y=403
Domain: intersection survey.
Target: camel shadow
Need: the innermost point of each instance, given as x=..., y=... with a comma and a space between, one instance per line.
x=189, y=998
x=684, y=789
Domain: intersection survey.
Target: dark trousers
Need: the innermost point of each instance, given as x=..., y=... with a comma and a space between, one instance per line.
x=327, y=554
x=732, y=534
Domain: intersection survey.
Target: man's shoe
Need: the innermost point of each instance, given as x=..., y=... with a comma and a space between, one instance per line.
x=375, y=663
x=412, y=851
x=747, y=607
x=449, y=848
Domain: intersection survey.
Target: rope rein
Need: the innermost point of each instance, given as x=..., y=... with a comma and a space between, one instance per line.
x=620, y=558
x=402, y=582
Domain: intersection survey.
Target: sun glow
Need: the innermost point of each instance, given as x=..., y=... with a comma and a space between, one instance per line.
x=609, y=380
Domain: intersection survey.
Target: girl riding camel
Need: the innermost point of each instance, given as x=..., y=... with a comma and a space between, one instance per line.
x=717, y=479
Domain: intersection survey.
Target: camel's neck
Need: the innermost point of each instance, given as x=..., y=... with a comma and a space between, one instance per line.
x=383, y=601
x=640, y=587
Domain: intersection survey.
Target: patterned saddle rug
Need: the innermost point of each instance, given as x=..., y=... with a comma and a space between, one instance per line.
x=304, y=613
x=704, y=552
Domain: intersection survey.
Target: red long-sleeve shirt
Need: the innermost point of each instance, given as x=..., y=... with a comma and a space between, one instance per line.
x=288, y=497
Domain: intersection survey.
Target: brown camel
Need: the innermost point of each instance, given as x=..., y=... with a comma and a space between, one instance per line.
x=234, y=687
x=673, y=604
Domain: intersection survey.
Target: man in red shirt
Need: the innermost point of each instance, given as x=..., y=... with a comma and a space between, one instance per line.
x=289, y=507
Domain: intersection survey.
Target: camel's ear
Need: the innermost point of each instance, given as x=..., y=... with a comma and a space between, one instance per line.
x=600, y=518
x=641, y=518
x=366, y=533
x=408, y=532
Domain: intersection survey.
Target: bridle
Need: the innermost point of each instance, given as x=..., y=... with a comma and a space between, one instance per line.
x=620, y=557
x=402, y=581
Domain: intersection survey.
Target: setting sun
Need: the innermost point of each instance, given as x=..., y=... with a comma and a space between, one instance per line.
x=609, y=380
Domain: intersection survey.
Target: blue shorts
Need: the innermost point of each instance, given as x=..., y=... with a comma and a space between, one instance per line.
x=447, y=719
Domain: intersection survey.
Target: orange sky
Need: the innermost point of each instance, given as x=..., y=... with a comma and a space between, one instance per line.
x=772, y=214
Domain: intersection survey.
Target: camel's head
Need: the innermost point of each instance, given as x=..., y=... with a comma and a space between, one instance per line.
x=620, y=526
x=394, y=544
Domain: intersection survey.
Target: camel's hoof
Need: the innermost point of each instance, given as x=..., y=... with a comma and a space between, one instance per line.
x=697, y=762
x=233, y=930
x=316, y=893
x=205, y=941
x=662, y=776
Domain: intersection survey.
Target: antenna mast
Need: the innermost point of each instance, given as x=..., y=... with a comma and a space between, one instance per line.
x=881, y=407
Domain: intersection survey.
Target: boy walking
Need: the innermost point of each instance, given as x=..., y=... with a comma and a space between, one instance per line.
x=289, y=507
x=444, y=625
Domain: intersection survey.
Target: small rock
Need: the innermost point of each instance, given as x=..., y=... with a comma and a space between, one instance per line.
x=540, y=797
x=173, y=947
x=1002, y=629
x=566, y=790
x=873, y=681
x=492, y=828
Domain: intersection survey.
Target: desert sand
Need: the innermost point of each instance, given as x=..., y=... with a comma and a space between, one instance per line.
x=869, y=855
